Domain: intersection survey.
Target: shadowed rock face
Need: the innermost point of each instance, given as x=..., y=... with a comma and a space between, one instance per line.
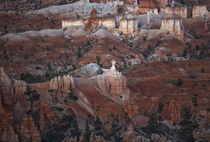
x=11, y=91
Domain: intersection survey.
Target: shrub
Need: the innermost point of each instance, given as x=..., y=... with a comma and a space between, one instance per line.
x=29, y=78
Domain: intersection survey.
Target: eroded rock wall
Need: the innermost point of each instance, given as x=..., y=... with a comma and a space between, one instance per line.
x=181, y=11
x=128, y=26
x=200, y=10
x=174, y=26
x=11, y=91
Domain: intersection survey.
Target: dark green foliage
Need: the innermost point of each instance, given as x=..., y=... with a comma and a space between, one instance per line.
x=29, y=78
x=98, y=61
x=59, y=109
x=195, y=104
x=144, y=38
x=32, y=96
x=160, y=107
x=116, y=129
x=87, y=132
x=79, y=54
x=57, y=130
x=202, y=70
x=98, y=127
x=100, y=71
x=152, y=126
x=71, y=94
x=187, y=125
x=148, y=51
x=184, y=53
x=179, y=82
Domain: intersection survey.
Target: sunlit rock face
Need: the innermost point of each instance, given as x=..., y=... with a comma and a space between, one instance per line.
x=200, y=10
x=174, y=26
x=61, y=82
x=128, y=26
x=115, y=83
x=181, y=11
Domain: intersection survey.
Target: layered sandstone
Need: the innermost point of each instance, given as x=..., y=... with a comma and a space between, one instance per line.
x=200, y=10
x=181, y=11
x=145, y=5
x=173, y=25
x=172, y=112
x=46, y=115
x=61, y=82
x=28, y=131
x=115, y=83
x=11, y=91
x=107, y=22
x=128, y=26
x=7, y=132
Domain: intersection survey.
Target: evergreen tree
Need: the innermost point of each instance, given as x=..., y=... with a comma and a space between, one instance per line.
x=32, y=96
x=195, y=104
x=98, y=126
x=87, y=132
x=187, y=125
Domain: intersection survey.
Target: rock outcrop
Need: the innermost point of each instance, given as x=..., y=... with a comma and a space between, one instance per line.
x=11, y=91
x=131, y=108
x=28, y=131
x=115, y=83
x=174, y=26
x=46, y=115
x=7, y=133
x=93, y=22
x=200, y=10
x=61, y=82
x=172, y=112
x=145, y=5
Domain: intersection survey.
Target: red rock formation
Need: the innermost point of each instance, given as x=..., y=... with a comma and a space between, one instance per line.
x=28, y=131
x=131, y=108
x=11, y=91
x=61, y=82
x=7, y=133
x=45, y=116
x=144, y=5
x=115, y=83
x=92, y=22
x=172, y=111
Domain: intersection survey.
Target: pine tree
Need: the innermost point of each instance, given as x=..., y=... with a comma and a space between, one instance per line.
x=32, y=96
x=87, y=132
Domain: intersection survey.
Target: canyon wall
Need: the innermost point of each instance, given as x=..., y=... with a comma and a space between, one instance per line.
x=181, y=11
x=145, y=5
x=72, y=23
x=114, y=83
x=61, y=82
x=11, y=91
x=128, y=26
x=173, y=26
x=107, y=22
x=200, y=10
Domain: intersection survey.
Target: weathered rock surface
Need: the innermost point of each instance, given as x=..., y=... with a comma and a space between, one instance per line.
x=11, y=91
x=61, y=82
x=28, y=131
x=115, y=83
x=7, y=133
x=46, y=115
x=172, y=111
